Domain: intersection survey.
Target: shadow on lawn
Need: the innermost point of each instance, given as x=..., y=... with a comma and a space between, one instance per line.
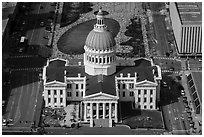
x=134, y=30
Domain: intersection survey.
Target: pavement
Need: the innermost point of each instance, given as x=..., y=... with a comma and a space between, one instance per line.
x=23, y=98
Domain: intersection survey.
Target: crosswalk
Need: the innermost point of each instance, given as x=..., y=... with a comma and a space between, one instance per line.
x=23, y=69
x=168, y=71
x=26, y=56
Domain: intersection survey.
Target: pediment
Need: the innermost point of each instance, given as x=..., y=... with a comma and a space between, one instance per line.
x=146, y=83
x=101, y=96
x=55, y=84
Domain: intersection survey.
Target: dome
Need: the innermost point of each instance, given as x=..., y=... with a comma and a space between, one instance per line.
x=100, y=40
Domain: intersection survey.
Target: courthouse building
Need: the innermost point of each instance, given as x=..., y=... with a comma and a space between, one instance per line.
x=186, y=19
x=98, y=85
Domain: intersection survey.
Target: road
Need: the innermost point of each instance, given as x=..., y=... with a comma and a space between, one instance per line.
x=22, y=101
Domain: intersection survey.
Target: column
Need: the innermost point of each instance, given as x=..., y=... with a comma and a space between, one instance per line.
x=110, y=110
x=97, y=110
x=104, y=110
x=116, y=112
x=85, y=111
x=91, y=114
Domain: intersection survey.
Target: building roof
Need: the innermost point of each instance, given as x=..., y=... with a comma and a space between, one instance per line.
x=197, y=78
x=100, y=40
x=143, y=68
x=190, y=12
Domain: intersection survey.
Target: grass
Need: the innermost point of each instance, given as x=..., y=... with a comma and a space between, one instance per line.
x=72, y=41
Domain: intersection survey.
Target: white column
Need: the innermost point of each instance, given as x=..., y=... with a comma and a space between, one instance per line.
x=91, y=110
x=116, y=112
x=97, y=110
x=91, y=114
x=85, y=111
x=104, y=110
x=110, y=110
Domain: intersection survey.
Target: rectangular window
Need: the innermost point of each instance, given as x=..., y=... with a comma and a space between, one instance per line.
x=131, y=85
x=48, y=92
x=100, y=60
x=55, y=92
x=145, y=106
x=61, y=92
x=118, y=85
x=145, y=99
x=104, y=60
x=82, y=94
x=139, y=99
x=69, y=94
x=82, y=86
x=49, y=100
x=151, y=106
x=108, y=59
x=61, y=100
x=151, y=100
x=96, y=60
x=131, y=93
x=139, y=92
x=69, y=86
x=123, y=86
x=151, y=91
x=77, y=94
x=77, y=86
x=92, y=59
x=55, y=100
x=123, y=93
x=145, y=92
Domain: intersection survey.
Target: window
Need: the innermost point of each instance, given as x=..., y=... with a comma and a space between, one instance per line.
x=151, y=91
x=77, y=94
x=151, y=106
x=139, y=99
x=55, y=100
x=100, y=60
x=139, y=106
x=49, y=100
x=145, y=106
x=96, y=60
x=104, y=60
x=82, y=86
x=131, y=93
x=61, y=92
x=48, y=92
x=92, y=59
x=77, y=87
x=123, y=93
x=151, y=100
x=82, y=94
x=145, y=92
x=69, y=86
x=61, y=100
x=69, y=94
x=131, y=85
x=55, y=92
x=108, y=59
x=118, y=85
x=123, y=86
x=145, y=99
x=139, y=92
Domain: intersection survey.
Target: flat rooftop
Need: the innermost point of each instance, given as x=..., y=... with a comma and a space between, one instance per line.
x=197, y=78
x=190, y=12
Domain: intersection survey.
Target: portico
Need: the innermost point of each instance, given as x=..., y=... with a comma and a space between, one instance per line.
x=100, y=107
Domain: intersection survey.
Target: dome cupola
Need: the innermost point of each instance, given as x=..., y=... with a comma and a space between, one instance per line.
x=100, y=38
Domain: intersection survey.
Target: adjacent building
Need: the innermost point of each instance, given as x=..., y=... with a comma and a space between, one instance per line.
x=186, y=19
x=99, y=85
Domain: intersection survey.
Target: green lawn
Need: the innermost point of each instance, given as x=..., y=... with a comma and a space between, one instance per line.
x=72, y=41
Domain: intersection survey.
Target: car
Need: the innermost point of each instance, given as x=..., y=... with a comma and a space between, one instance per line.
x=171, y=69
x=182, y=92
x=200, y=60
x=164, y=84
x=42, y=23
x=171, y=51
